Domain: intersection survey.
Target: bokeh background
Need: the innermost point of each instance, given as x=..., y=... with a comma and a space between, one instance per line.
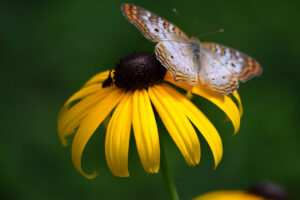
x=50, y=48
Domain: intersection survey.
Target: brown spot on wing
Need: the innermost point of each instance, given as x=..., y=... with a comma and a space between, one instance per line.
x=222, y=51
x=250, y=69
x=166, y=25
x=231, y=86
x=177, y=31
x=212, y=47
x=132, y=13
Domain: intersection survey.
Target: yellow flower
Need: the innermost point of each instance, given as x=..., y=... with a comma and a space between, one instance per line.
x=229, y=195
x=140, y=81
x=261, y=191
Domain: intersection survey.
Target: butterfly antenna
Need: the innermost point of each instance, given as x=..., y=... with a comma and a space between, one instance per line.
x=182, y=20
x=211, y=33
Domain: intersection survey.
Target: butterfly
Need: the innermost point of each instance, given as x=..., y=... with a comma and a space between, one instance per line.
x=215, y=65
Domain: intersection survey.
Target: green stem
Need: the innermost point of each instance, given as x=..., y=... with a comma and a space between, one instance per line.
x=168, y=179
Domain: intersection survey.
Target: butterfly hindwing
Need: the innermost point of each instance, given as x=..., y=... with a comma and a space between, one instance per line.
x=179, y=60
x=214, y=73
x=243, y=66
x=152, y=26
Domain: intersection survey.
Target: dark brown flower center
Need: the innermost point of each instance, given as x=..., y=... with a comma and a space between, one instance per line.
x=137, y=71
x=269, y=190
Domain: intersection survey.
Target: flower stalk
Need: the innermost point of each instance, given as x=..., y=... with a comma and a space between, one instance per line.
x=167, y=177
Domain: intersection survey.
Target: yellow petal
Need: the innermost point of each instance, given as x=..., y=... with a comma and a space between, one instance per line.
x=83, y=93
x=78, y=95
x=145, y=131
x=228, y=195
x=91, y=86
x=237, y=97
x=71, y=118
x=117, y=137
x=224, y=102
x=203, y=124
x=177, y=124
x=89, y=125
x=98, y=78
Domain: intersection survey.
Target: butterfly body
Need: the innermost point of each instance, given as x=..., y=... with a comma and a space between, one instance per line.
x=196, y=46
x=216, y=66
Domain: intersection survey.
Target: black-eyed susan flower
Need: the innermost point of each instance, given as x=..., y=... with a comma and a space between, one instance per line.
x=229, y=195
x=139, y=84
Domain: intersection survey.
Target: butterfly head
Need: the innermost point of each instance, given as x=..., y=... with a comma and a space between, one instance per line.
x=195, y=38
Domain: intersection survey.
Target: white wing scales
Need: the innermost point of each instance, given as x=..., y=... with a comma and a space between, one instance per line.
x=215, y=74
x=179, y=59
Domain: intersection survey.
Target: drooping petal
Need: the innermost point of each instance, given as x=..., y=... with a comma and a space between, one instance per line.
x=177, y=124
x=117, y=137
x=89, y=88
x=203, y=124
x=98, y=78
x=224, y=102
x=145, y=131
x=89, y=125
x=228, y=195
x=83, y=93
x=71, y=118
x=237, y=97
x=78, y=95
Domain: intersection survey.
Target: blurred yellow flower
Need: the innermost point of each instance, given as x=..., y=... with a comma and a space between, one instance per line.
x=229, y=195
x=138, y=81
x=265, y=190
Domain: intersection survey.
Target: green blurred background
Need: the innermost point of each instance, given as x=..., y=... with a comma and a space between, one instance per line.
x=50, y=48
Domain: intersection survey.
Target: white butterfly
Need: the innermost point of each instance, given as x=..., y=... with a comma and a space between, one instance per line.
x=217, y=66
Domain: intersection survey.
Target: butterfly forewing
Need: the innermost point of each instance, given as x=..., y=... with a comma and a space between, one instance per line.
x=152, y=26
x=243, y=66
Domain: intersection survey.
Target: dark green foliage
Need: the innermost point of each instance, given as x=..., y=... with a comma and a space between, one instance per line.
x=50, y=48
